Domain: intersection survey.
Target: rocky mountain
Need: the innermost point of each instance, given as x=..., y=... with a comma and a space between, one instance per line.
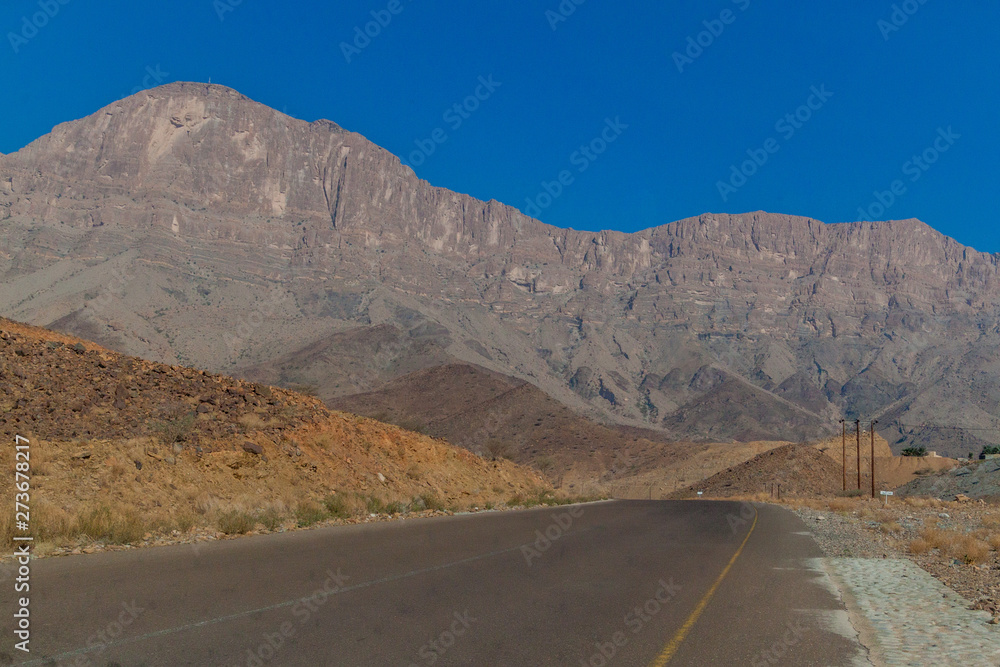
x=190, y=224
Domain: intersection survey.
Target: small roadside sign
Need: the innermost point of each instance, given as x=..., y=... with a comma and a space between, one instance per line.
x=886, y=494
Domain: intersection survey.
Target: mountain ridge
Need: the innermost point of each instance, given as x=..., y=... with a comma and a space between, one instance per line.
x=241, y=235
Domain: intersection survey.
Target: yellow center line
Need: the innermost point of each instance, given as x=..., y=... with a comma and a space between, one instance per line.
x=675, y=643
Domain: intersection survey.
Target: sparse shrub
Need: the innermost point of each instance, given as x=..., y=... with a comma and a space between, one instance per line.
x=545, y=464
x=937, y=538
x=174, y=430
x=919, y=546
x=251, y=421
x=374, y=505
x=308, y=513
x=113, y=526
x=395, y=507
x=205, y=502
x=49, y=521
x=235, y=522
x=890, y=527
x=969, y=550
x=498, y=449
x=185, y=522
x=271, y=518
x=841, y=505
x=431, y=502
x=994, y=541
x=336, y=505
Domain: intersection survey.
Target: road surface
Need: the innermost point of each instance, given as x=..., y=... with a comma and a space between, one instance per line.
x=612, y=583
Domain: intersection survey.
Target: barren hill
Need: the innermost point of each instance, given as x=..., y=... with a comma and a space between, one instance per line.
x=798, y=470
x=192, y=225
x=113, y=433
x=496, y=415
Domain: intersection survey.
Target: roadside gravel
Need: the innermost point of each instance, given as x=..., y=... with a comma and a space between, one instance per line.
x=927, y=608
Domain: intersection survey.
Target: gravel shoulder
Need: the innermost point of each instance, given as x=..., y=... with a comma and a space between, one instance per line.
x=914, y=605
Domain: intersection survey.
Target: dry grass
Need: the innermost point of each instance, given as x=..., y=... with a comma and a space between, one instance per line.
x=842, y=505
x=235, y=522
x=919, y=546
x=937, y=538
x=251, y=422
x=969, y=550
x=112, y=525
x=890, y=527
x=921, y=502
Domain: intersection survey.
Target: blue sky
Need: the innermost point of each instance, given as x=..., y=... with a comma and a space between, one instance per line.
x=593, y=94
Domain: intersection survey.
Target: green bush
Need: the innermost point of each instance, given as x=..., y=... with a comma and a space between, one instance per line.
x=915, y=451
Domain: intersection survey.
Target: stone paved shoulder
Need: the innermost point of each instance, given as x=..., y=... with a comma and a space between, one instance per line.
x=915, y=619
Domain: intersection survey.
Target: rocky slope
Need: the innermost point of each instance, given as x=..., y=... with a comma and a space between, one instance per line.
x=791, y=470
x=117, y=434
x=497, y=415
x=190, y=224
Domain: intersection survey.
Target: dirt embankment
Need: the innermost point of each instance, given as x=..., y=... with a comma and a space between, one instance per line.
x=122, y=447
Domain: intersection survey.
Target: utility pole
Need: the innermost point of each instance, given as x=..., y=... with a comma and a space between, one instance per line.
x=843, y=450
x=874, y=421
x=857, y=433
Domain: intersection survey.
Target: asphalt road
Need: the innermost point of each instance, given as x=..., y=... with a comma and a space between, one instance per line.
x=614, y=583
